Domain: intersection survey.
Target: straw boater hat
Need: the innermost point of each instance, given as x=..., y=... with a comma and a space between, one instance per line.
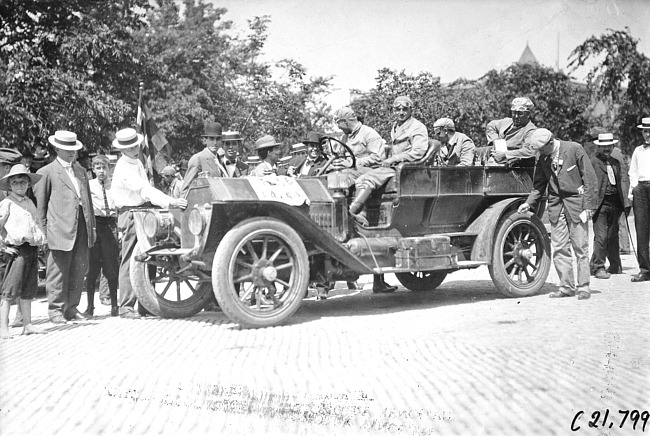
x=65, y=140
x=266, y=141
x=18, y=170
x=645, y=124
x=127, y=138
x=606, y=139
x=297, y=148
x=231, y=135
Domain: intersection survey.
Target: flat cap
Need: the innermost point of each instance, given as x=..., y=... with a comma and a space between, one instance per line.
x=522, y=104
x=344, y=113
x=446, y=123
x=10, y=156
x=540, y=138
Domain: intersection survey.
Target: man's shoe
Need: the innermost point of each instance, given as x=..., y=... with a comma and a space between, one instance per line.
x=78, y=316
x=558, y=294
x=584, y=295
x=615, y=271
x=641, y=277
x=353, y=286
x=383, y=288
x=105, y=301
x=89, y=312
x=602, y=274
x=211, y=306
x=130, y=315
x=114, y=311
x=58, y=319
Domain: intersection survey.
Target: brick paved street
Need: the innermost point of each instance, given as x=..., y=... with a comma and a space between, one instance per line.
x=461, y=360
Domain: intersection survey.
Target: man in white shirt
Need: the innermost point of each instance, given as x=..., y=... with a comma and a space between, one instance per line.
x=640, y=196
x=131, y=189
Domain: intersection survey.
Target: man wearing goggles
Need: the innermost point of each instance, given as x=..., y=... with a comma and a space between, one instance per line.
x=515, y=131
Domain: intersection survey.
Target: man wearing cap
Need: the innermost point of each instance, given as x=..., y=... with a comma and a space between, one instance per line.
x=67, y=216
x=639, y=194
x=611, y=192
x=409, y=143
x=515, y=131
x=456, y=149
x=364, y=141
x=171, y=185
x=565, y=169
x=207, y=159
x=269, y=153
x=310, y=163
x=131, y=190
x=232, y=143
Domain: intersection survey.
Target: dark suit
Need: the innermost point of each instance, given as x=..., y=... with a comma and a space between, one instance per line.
x=239, y=169
x=565, y=204
x=202, y=161
x=612, y=199
x=69, y=223
x=315, y=167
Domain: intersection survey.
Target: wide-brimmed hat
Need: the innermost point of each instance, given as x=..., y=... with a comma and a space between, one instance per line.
x=312, y=138
x=10, y=156
x=606, y=139
x=127, y=138
x=17, y=170
x=65, y=140
x=522, y=104
x=266, y=141
x=212, y=130
x=645, y=124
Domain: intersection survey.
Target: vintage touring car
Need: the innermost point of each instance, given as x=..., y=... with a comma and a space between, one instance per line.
x=258, y=242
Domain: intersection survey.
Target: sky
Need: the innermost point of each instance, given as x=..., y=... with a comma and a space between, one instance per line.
x=351, y=39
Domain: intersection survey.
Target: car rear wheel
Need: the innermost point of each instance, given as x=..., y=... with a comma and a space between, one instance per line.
x=521, y=256
x=260, y=273
x=422, y=280
x=165, y=291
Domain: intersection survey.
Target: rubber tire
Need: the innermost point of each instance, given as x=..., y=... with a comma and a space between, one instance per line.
x=151, y=301
x=497, y=267
x=222, y=283
x=421, y=284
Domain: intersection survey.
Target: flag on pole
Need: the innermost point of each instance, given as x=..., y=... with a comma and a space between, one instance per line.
x=155, y=151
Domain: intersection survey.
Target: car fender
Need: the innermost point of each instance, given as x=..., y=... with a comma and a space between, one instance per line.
x=228, y=214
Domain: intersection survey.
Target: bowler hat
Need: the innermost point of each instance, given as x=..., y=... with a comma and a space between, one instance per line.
x=312, y=138
x=606, y=139
x=212, y=130
x=10, y=156
x=65, y=140
x=127, y=138
x=17, y=170
x=645, y=124
x=266, y=141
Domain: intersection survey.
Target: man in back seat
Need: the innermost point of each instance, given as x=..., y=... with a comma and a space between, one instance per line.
x=516, y=132
x=409, y=143
x=456, y=149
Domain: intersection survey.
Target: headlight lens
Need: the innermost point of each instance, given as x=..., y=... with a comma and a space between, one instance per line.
x=195, y=222
x=150, y=224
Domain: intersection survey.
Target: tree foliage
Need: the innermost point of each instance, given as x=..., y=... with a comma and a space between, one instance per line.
x=619, y=77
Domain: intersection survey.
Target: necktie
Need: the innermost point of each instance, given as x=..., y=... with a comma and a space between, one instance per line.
x=108, y=209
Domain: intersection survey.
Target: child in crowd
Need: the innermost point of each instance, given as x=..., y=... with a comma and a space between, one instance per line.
x=20, y=237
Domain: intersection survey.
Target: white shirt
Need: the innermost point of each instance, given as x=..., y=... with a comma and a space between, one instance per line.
x=639, y=166
x=131, y=186
x=67, y=166
x=97, y=197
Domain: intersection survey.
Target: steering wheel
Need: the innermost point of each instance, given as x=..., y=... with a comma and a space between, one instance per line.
x=336, y=151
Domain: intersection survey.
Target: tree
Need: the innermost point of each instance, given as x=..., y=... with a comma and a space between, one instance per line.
x=619, y=77
x=67, y=65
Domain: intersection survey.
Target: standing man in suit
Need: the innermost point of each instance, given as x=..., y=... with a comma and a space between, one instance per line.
x=207, y=159
x=67, y=216
x=640, y=195
x=611, y=190
x=565, y=169
x=232, y=144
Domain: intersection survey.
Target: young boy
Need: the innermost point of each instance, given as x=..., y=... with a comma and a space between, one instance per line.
x=104, y=255
x=20, y=236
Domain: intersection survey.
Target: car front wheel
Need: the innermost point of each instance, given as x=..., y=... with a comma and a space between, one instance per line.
x=260, y=273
